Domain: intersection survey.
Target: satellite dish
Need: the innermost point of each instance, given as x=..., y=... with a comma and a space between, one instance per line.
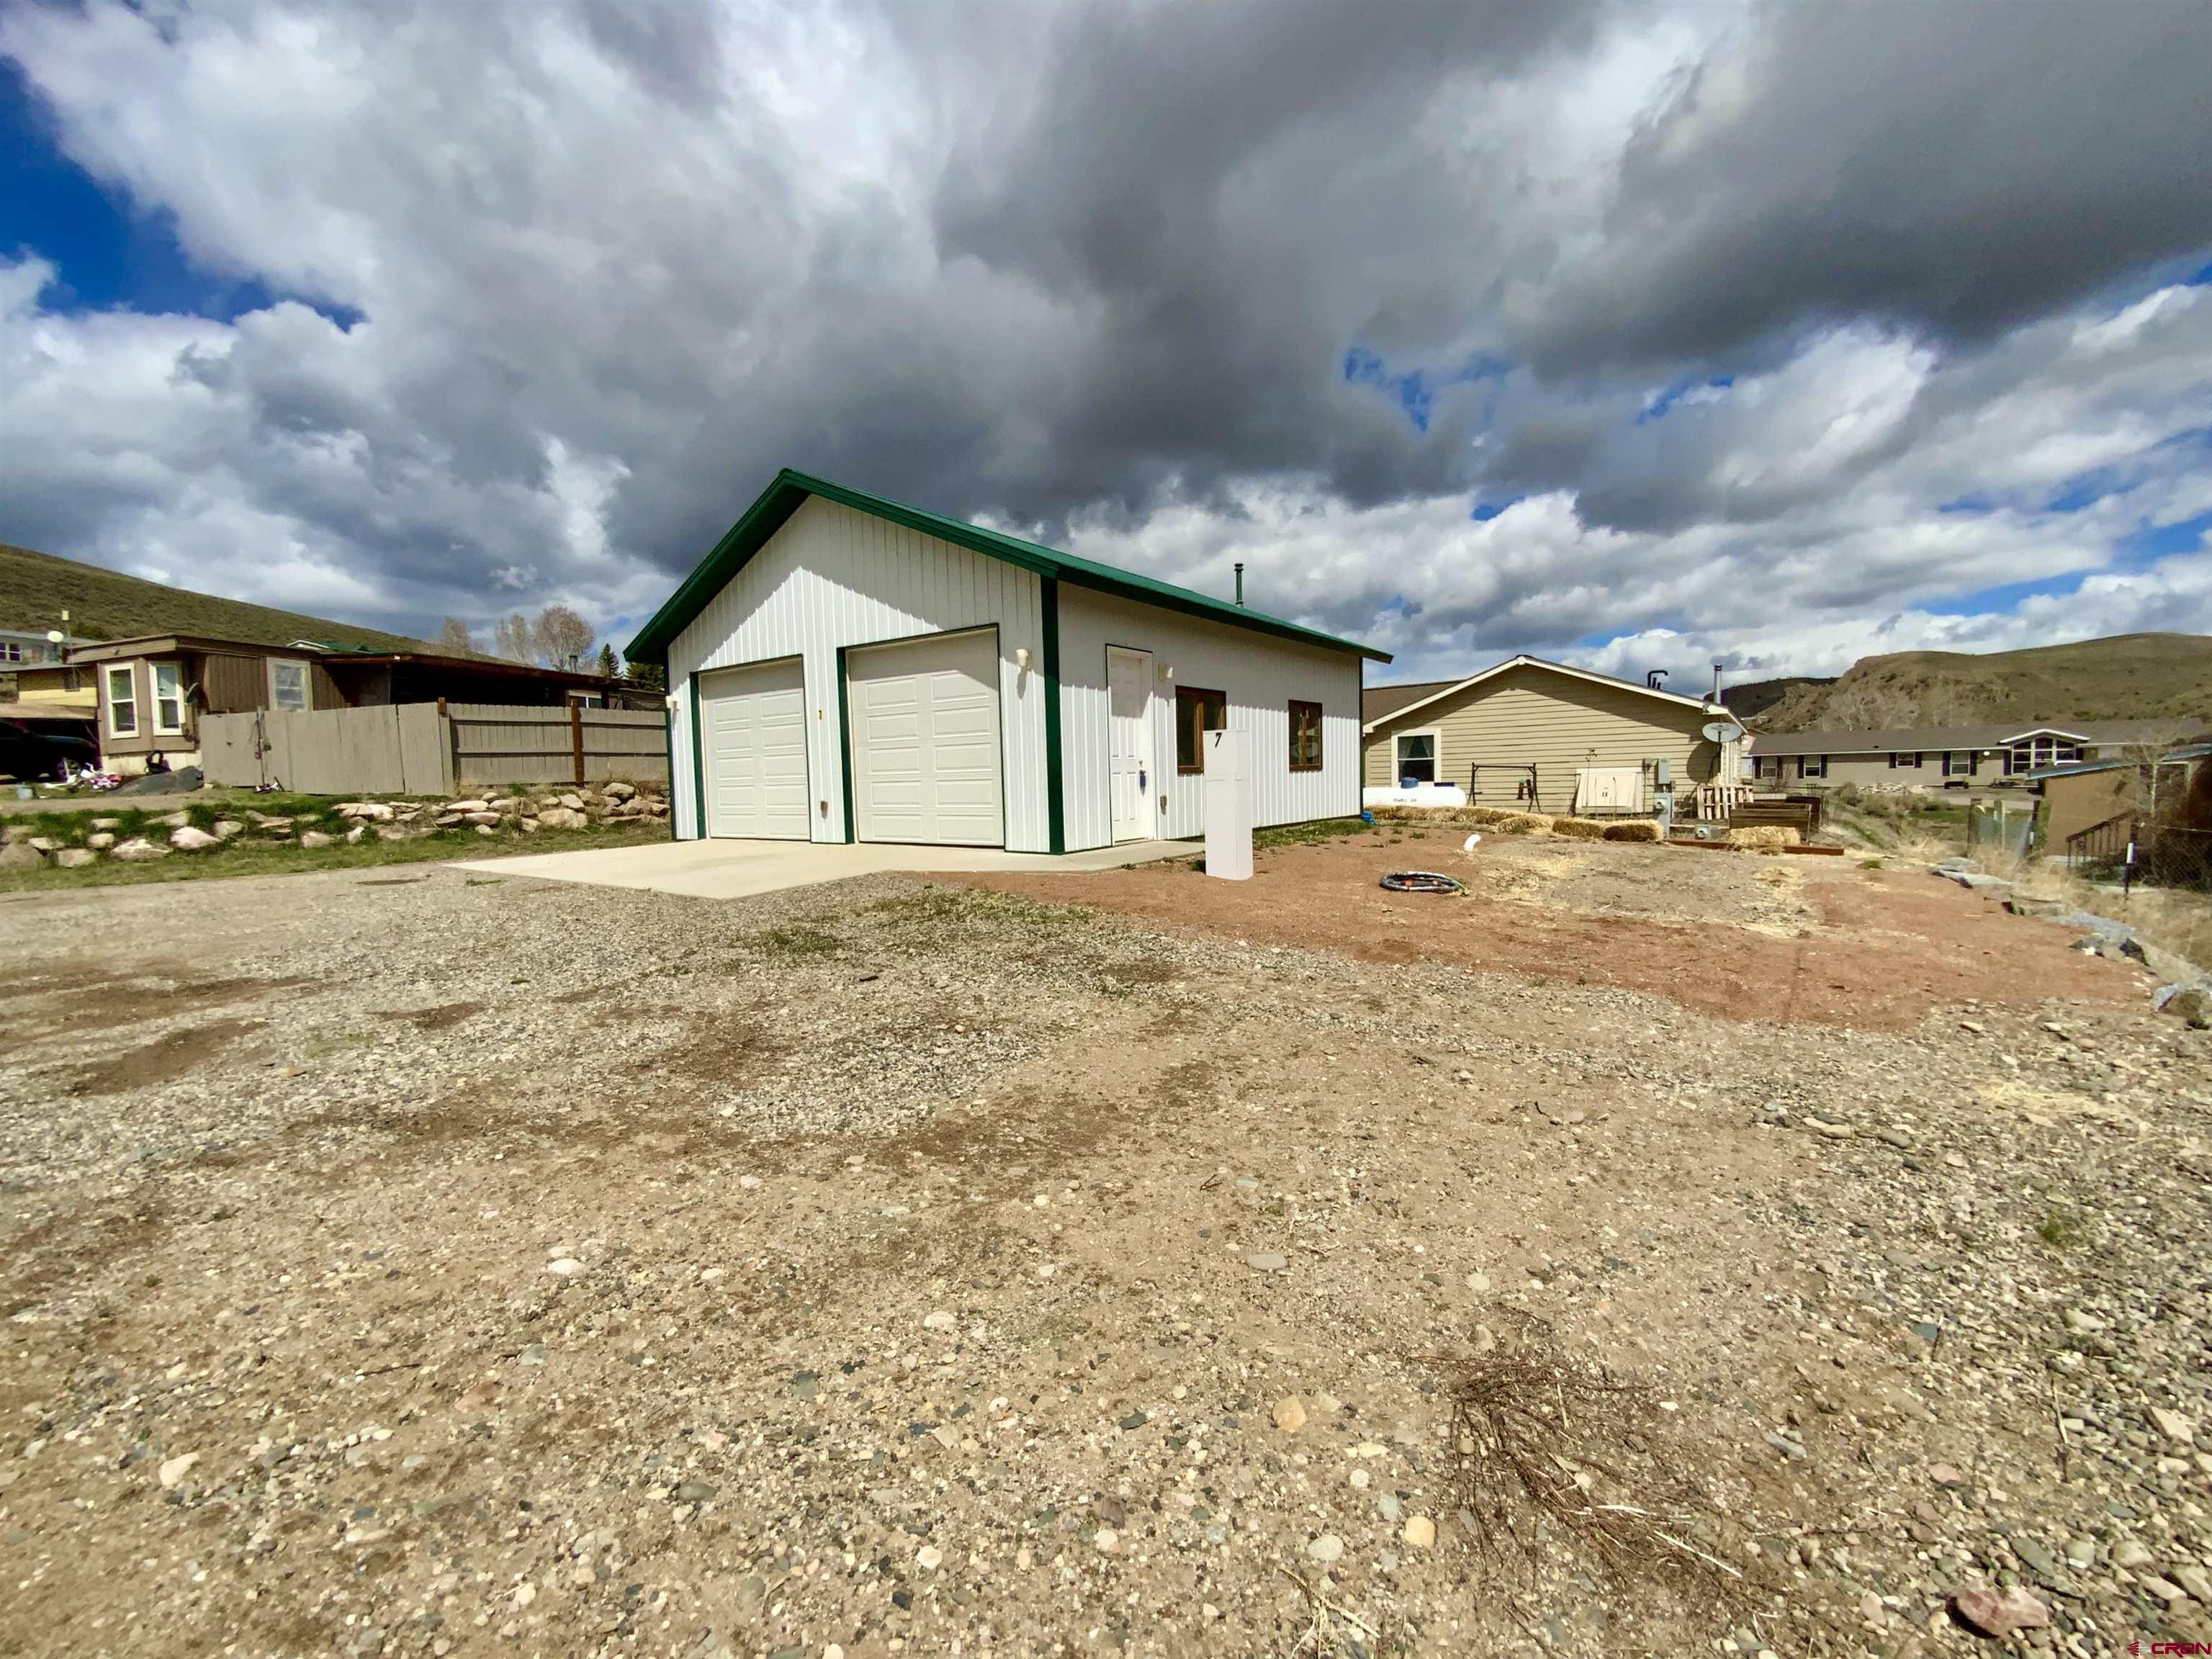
x=1723, y=732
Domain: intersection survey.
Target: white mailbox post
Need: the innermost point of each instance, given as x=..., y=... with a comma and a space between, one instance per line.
x=1228, y=804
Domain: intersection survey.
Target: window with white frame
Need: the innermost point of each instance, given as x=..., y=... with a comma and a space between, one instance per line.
x=122, y=701
x=1415, y=757
x=1811, y=766
x=1961, y=763
x=168, y=679
x=288, y=686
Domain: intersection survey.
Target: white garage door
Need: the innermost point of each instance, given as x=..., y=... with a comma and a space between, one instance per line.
x=924, y=719
x=752, y=743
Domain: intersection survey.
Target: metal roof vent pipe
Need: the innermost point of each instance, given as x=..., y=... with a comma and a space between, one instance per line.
x=1240, y=581
x=1652, y=676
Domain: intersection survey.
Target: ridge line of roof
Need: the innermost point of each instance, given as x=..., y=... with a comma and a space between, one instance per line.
x=768, y=513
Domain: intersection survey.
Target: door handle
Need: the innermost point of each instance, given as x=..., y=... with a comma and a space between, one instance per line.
x=1141, y=785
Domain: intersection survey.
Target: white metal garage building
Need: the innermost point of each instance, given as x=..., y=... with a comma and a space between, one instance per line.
x=843, y=668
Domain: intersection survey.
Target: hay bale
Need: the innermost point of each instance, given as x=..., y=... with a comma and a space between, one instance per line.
x=1764, y=837
x=1524, y=823
x=1496, y=814
x=1579, y=829
x=1634, y=829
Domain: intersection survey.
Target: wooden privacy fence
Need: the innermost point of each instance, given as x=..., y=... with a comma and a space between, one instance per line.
x=431, y=748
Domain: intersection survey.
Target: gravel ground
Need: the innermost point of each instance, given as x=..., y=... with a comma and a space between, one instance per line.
x=433, y=1262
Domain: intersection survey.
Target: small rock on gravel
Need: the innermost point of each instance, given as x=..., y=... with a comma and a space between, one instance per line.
x=1420, y=1531
x=2000, y=1612
x=1267, y=1261
x=1289, y=1414
x=1327, y=1548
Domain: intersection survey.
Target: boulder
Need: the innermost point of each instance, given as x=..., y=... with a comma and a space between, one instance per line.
x=176, y=820
x=277, y=826
x=226, y=828
x=356, y=833
x=505, y=804
x=484, y=820
x=374, y=810
x=186, y=839
x=620, y=790
x=564, y=817
x=75, y=858
x=138, y=850
x=43, y=844
x=98, y=841
x=20, y=856
x=315, y=838
x=390, y=832
x=2192, y=1003
x=467, y=806
x=448, y=820
x=107, y=824
x=529, y=826
x=571, y=800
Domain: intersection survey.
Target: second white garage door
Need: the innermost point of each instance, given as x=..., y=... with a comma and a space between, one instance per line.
x=925, y=718
x=752, y=745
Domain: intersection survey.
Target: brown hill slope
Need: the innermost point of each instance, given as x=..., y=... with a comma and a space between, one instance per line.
x=35, y=588
x=2128, y=677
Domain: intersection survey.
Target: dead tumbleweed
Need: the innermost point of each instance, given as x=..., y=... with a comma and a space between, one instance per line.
x=1550, y=1454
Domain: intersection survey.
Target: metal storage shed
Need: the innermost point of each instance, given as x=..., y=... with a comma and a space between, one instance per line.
x=843, y=668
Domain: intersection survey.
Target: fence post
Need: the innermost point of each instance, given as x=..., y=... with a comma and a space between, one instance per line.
x=576, y=736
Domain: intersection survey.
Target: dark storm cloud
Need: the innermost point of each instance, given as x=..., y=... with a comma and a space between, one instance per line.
x=1957, y=167
x=1701, y=275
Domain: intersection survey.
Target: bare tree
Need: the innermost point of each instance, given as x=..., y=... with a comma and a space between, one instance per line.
x=562, y=638
x=453, y=635
x=511, y=639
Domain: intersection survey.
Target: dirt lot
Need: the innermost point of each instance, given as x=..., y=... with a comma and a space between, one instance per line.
x=429, y=1262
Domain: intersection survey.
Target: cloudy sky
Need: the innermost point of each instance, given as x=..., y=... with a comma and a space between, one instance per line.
x=1637, y=335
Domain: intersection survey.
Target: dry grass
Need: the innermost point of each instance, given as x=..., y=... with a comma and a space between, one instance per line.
x=1551, y=1454
x=1764, y=837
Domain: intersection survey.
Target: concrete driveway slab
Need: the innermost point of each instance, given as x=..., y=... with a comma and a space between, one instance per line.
x=740, y=869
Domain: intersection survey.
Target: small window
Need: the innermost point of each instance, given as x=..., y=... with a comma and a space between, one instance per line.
x=168, y=697
x=1961, y=764
x=122, y=701
x=11, y=652
x=1415, y=753
x=1305, y=737
x=288, y=686
x=1197, y=712
x=1811, y=766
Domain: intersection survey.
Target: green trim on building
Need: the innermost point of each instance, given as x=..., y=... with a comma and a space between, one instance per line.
x=698, y=767
x=844, y=750
x=1056, y=796
x=789, y=489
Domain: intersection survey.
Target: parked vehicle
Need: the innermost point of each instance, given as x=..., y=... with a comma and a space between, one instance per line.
x=31, y=753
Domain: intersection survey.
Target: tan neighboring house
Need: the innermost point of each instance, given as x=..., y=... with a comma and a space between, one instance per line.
x=1524, y=730
x=33, y=669
x=153, y=690
x=2173, y=789
x=1941, y=756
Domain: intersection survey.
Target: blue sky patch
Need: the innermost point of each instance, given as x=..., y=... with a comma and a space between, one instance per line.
x=110, y=255
x=2007, y=596
x=1661, y=406
x=1415, y=390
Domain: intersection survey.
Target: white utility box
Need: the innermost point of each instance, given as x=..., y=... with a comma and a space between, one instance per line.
x=1229, y=805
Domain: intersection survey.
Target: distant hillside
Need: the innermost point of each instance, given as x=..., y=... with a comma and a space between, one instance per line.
x=35, y=588
x=2128, y=677
x=1756, y=696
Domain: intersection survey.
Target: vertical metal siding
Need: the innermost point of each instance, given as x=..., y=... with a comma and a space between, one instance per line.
x=1260, y=676
x=834, y=577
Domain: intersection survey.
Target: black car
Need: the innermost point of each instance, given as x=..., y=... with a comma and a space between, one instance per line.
x=32, y=751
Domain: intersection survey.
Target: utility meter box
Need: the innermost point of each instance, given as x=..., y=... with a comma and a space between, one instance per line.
x=1229, y=802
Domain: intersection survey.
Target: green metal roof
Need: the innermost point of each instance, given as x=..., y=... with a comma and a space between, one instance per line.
x=781, y=499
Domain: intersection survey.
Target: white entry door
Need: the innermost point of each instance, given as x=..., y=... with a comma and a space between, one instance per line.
x=925, y=736
x=753, y=746
x=1129, y=784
